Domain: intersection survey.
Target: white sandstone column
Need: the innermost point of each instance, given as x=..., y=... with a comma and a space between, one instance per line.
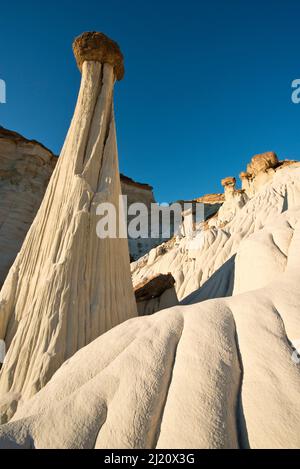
x=67, y=286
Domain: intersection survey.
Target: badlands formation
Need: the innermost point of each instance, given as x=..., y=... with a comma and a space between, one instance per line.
x=217, y=370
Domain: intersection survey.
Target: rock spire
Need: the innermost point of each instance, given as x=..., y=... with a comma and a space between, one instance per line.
x=67, y=286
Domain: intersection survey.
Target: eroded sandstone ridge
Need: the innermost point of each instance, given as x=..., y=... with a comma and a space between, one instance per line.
x=192, y=262
x=67, y=286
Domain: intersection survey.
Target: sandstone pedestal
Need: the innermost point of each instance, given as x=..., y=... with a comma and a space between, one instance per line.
x=67, y=286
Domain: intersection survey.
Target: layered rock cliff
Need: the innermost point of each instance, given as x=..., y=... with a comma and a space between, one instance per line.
x=25, y=169
x=138, y=193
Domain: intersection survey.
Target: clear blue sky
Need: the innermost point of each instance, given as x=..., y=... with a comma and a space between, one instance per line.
x=207, y=84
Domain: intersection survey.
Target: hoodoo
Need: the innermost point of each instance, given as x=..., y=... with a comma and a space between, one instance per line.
x=67, y=286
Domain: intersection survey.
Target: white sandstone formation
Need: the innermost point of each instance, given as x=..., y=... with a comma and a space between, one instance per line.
x=260, y=171
x=67, y=286
x=25, y=169
x=219, y=373
x=193, y=262
x=234, y=201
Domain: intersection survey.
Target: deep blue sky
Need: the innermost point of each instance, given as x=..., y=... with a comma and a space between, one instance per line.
x=207, y=84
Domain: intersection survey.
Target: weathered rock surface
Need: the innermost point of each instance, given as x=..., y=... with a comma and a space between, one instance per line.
x=155, y=294
x=97, y=47
x=228, y=182
x=67, y=286
x=211, y=199
x=210, y=374
x=234, y=200
x=262, y=162
x=153, y=287
x=25, y=169
x=261, y=171
x=193, y=262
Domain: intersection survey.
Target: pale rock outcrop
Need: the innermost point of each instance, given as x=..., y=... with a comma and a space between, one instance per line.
x=25, y=169
x=155, y=294
x=261, y=171
x=211, y=199
x=262, y=163
x=234, y=201
x=246, y=183
x=193, y=263
x=229, y=184
x=211, y=374
x=68, y=286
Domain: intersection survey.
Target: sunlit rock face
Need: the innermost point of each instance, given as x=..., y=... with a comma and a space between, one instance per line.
x=25, y=169
x=234, y=200
x=261, y=170
x=193, y=262
x=67, y=285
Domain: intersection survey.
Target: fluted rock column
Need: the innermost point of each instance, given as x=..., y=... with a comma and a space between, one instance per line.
x=234, y=201
x=247, y=184
x=67, y=286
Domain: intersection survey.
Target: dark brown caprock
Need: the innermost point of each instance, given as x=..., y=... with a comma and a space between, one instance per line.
x=97, y=47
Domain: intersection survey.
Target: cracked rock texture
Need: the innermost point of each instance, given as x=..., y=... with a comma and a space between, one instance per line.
x=215, y=371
